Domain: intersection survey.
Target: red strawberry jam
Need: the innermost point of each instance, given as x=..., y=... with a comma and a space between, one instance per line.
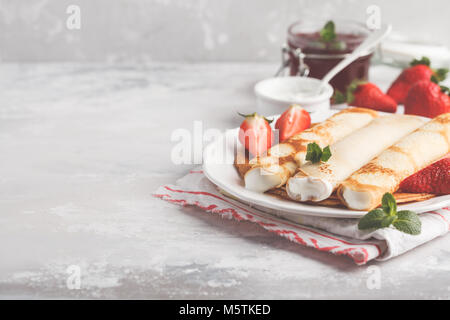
x=324, y=50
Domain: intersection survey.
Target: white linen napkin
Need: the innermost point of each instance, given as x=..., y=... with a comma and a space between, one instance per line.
x=334, y=235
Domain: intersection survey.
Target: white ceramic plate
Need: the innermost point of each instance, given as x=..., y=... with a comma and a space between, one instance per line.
x=219, y=169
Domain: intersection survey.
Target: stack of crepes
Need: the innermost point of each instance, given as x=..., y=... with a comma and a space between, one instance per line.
x=371, y=155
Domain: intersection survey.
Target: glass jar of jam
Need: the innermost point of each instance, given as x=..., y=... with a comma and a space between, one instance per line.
x=310, y=47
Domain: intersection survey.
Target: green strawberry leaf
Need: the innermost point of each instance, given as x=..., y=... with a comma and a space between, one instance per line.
x=254, y=114
x=441, y=74
x=388, y=204
x=424, y=60
x=339, y=97
x=408, y=222
x=327, y=33
x=269, y=121
x=350, y=97
x=372, y=220
x=445, y=90
x=351, y=88
x=434, y=79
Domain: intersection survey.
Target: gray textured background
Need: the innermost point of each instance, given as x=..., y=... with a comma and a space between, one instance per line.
x=188, y=30
x=83, y=146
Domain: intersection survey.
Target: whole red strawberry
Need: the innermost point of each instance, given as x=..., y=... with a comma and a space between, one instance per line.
x=428, y=99
x=433, y=179
x=368, y=95
x=255, y=133
x=419, y=70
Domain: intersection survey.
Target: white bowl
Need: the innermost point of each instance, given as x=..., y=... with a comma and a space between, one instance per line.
x=274, y=95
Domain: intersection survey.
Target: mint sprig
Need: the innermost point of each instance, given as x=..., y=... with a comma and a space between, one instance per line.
x=316, y=154
x=405, y=221
x=408, y=222
x=328, y=33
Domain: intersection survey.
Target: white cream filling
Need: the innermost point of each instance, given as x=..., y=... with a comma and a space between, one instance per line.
x=261, y=180
x=356, y=200
x=308, y=188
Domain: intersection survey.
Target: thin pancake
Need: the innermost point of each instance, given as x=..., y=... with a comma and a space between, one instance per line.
x=281, y=161
x=317, y=181
x=364, y=189
x=333, y=200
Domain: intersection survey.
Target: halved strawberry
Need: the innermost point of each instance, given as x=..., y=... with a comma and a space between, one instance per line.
x=294, y=120
x=433, y=179
x=255, y=133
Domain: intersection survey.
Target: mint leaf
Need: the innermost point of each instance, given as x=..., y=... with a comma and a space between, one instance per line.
x=388, y=204
x=408, y=222
x=327, y=33
x=326, y=154
x=404, y=220
x=387, y=221
x=372, y=220
x=315, y=154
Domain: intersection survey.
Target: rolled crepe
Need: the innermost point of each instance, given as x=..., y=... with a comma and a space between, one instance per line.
x=281, y=161
x=317, y=181
x=364, y=189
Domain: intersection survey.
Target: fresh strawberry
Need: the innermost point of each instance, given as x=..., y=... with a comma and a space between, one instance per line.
x=433, y=179
x=294, y=120
x=428, y=99
x=368, y=95
x=255, y=133
x=419, y=70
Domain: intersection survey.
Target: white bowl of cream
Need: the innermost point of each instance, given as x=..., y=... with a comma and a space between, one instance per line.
x=274, y=95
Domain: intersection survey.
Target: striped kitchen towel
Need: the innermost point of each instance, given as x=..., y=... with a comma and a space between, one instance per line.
x=335, y=235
